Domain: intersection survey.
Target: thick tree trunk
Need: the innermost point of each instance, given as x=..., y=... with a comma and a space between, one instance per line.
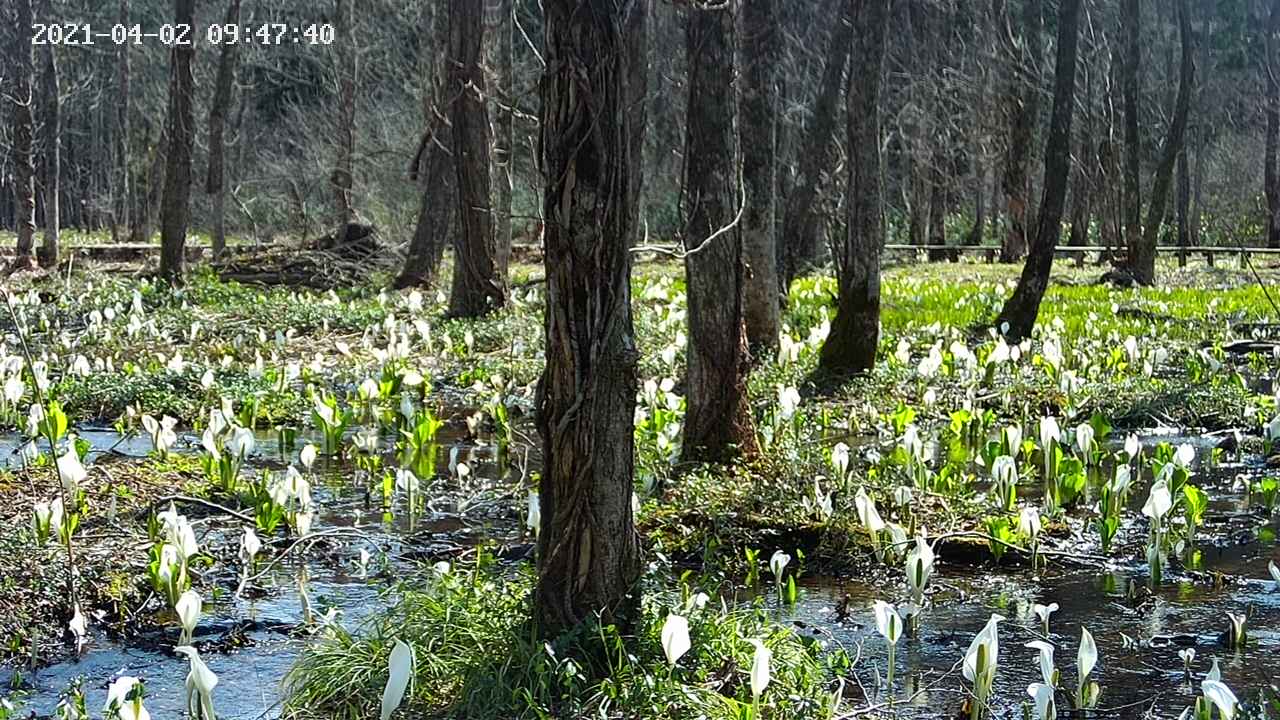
x=978, y=231
x=504, y=140
x=588, y=548
x=432, y=167
x=855, y=332
x=51, y=160
x=215, y=180
x=123, y=200
x=1024, y=104
x=343, y=175
x=937, y=208
x=801, y=222
x=1020, y=311
x=21, y=94
x=1183, y=207
x=175, y=205
x=1142, y=259
x=758, y=122
x=1081, y=177
x=478, y=286
x=1132, y=173
x=718, y=423
x=1271, y=150
x=917, y=198
x=148, y=185
x=1080, y=211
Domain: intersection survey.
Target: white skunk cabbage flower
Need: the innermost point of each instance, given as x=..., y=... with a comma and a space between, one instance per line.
x=760, y=673
x=188, y=610
x=920, y=560
x=1159, y=502
x=71, y=471
x=778, y=562
x=400, y=671
x=1043, y=612
x=1221, y=697
x=200, y=684
x=1047, y=669
x=118, y=700
x=1042, y=695
x=888, y=621
x=533, y=520
x=675, y=638
x=307, y=456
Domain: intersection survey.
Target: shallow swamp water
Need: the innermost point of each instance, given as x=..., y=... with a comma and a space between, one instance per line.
x=251, y=642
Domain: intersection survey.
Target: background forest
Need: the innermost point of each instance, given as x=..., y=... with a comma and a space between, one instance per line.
x=965, y=99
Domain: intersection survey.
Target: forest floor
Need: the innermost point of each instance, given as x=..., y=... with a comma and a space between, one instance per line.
x=1192, y=357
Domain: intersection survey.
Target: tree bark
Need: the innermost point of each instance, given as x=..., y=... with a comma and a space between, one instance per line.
x=1183, y=207
x=343, y=175
x=21, y=94
x=758, y=109
x=1271, y=149
x=123, y=200
x=588, y=548
x=1024, y=99
x=801, y=222
x=215, y=180
x=855, y=332
x=51, y=160
x=978, y=231
x=1142, y=259
x=432, y=168
x=175, y=205
x=718, y=422
x=504, y=140
x=1132, y=172
x=937, y=207
x=1020, y=311
x=148, y=186
x=478, y=287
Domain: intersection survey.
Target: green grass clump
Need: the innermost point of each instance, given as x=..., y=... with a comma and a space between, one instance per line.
x=475, y=656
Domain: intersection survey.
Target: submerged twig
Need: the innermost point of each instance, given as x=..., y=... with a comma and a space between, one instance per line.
x=205, y=503
x=298, y=542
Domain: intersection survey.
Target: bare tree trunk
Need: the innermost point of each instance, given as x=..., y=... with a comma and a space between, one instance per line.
x=1142, y=259
x=1132, y=172
x=758, y=112
x=800, y=223
x=1081, y=189
x=1020, y=311
x=21, y=94
x=504, y=142
x=718, y=424
x=588, y=548
x=432, y=168
x=148, y=186
x=1271, y=150
x=51, y=161
x=1024, y=98
x=478, y=287
x=1183, y=207
x=1080, y=212
x=855, y=332
x=917, y=198
x=978, y=231
x=343, y=174
x=215, y=181
x=123, y=200
x=937, y=207
x=973, y=24
x=175, y=205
